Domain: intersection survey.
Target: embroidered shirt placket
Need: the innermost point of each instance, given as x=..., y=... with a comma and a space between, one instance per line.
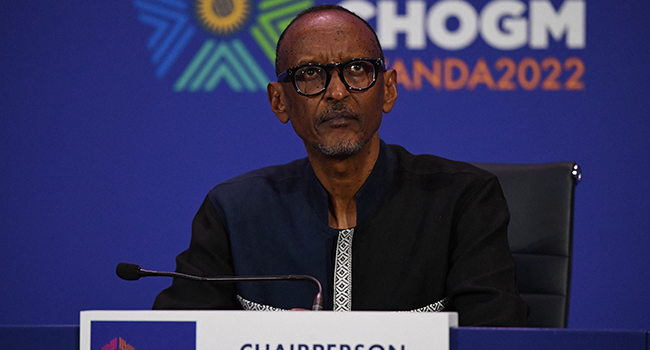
x=343, y=271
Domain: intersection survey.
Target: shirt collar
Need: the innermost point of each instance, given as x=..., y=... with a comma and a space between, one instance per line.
x=370, y=195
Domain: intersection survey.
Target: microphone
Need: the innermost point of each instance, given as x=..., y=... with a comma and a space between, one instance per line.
x=132, y=272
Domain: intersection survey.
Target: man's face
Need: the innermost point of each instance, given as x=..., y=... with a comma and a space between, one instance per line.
x=338, y=121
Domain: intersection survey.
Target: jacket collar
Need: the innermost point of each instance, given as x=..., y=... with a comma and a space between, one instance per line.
x=370, y=195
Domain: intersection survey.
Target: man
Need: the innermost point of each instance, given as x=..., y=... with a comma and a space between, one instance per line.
x=380, y=228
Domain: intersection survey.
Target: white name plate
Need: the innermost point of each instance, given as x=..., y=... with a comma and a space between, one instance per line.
x=252, y=330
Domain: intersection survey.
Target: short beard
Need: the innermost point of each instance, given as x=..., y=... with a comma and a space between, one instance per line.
x=342, y=149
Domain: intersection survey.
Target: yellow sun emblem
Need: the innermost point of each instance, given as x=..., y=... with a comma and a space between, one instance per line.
x=222, y=17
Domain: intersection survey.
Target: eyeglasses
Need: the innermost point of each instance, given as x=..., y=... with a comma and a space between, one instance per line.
x=312, y=78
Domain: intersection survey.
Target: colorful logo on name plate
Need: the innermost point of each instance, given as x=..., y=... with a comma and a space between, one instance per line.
x=117, y=344
x=201, y=44
x=139, y=335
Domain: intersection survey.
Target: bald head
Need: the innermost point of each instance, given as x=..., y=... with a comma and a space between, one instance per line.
x=284, y=47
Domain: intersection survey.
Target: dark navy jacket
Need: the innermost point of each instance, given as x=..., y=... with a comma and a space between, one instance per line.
x=427, y=229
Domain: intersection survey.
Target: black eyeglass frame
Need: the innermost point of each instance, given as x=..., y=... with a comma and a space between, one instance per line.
x=378, y=63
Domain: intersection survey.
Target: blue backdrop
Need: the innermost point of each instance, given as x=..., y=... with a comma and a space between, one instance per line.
x=118, y=117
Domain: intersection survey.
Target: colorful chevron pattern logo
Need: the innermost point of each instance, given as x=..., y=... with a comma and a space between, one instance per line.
x=236, y=41
x=273, y=18
x=117, y=343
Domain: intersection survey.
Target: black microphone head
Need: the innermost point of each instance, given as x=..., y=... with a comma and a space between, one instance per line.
x=129, y=272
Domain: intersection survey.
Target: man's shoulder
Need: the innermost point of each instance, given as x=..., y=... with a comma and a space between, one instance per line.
x=259, y=193
x=432, y=165
x=267, y=177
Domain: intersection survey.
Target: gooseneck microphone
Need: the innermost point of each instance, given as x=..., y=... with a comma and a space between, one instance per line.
x=132, y=272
